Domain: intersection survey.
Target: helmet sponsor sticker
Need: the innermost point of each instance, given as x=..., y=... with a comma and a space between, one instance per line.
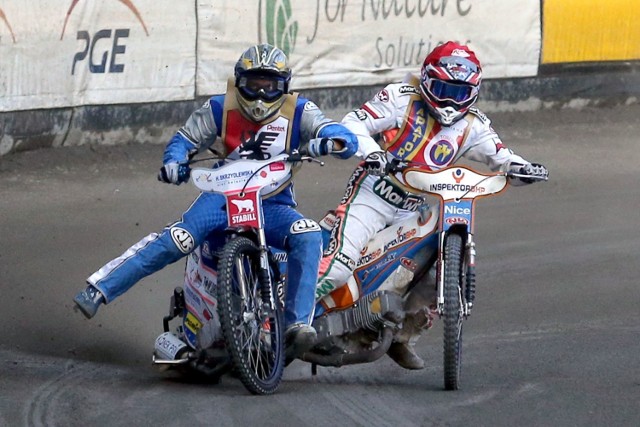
x=182, y=239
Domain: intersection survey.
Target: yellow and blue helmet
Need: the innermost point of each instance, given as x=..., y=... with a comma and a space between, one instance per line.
x=262, y=77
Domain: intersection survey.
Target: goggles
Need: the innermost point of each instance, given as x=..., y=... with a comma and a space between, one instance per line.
x=446, y=91
x=265, y=87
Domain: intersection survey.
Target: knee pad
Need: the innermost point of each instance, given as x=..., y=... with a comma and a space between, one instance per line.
x=306, y=232
x=181, y=238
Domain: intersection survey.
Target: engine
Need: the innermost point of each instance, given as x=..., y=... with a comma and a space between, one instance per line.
x=369, y=313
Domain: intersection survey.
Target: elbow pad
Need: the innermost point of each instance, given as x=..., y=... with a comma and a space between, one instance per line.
x=178, y=149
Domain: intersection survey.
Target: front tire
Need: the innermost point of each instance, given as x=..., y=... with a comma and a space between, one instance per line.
x=453, y=316
x=254, y=337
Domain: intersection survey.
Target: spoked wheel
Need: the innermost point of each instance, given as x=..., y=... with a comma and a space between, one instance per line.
x=254, y=337
x=453, y=316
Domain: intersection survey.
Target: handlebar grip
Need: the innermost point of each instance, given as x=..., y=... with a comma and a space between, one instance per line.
x=393, y=166
x=295, y=157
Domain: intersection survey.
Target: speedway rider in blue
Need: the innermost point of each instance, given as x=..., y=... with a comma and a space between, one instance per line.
x=257, y=118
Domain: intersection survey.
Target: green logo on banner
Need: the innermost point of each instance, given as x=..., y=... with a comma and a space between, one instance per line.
x=280, y=29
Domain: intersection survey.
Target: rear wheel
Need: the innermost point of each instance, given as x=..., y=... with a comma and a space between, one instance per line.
x=253, y=335
x=452, y=316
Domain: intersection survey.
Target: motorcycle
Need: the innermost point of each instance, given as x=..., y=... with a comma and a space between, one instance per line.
x=232, y=302
x=428, y=257
x=429, y=254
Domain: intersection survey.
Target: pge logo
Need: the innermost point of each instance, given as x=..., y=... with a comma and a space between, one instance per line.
x=108, y=61
x=6, y=22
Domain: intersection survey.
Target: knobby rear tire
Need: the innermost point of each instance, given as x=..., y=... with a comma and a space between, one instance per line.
x=254, y=341
x=452, y=316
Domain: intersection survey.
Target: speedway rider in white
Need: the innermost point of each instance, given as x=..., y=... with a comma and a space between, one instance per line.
x=429, y=120
x=257, y=118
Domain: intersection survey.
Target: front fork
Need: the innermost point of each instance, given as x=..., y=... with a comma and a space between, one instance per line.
x=266, y=285
x=468, y=279
x=266, y=296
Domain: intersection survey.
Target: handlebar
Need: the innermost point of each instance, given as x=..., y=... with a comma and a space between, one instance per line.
x=302, y=155
x=527, y=177
x=398, y=166
x=296, y=156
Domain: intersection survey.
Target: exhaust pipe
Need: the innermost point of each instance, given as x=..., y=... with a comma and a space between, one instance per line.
x=339, y=360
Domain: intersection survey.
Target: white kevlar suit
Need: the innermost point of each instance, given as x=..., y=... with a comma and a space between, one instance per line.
x=371, y=203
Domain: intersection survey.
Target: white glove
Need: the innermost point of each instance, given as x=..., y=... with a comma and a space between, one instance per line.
x=375, y=163
x=323, y=146
x=174, y=173
x=536, y=171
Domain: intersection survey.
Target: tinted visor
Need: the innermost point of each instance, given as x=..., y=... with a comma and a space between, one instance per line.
x=266, y=87
x=458, y=93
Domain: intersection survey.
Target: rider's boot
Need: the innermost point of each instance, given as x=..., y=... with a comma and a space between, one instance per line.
x=404, y=355
x=402, y=349
x=420, y=307
x=298, y=339
x=88, y=301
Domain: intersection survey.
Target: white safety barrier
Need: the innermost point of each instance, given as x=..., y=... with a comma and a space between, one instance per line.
x=66, y=53
x=61, y=53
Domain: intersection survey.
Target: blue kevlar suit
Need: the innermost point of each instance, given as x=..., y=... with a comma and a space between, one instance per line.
x=297, y=121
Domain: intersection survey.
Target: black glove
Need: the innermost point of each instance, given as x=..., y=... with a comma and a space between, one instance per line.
x=534, y=170
x=375, y=163
x=174, y=173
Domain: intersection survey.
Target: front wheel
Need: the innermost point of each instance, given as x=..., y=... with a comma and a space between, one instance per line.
x=453, y=316
x=253, y=334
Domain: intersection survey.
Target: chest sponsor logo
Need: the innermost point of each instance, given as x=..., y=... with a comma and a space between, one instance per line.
x=256, y=145
x=248, y=140
x=442, y=152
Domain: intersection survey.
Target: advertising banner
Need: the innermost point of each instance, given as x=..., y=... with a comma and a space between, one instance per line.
x=338, y=43
x=591, y=31
x=60, y=53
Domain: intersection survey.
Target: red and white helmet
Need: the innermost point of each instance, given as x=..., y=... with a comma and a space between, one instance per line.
x=449, y=81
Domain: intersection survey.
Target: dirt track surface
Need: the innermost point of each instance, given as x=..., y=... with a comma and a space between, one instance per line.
x=554, y=338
